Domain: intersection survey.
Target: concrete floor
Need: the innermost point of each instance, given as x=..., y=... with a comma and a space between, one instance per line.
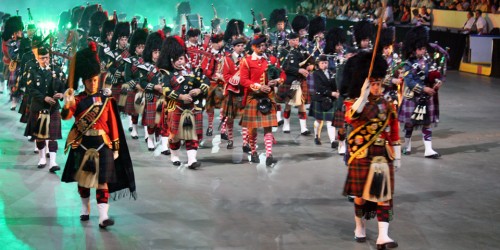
x=451, y=203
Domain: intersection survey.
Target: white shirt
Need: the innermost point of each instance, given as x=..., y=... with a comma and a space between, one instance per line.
x=469, y=23
x=481, y=24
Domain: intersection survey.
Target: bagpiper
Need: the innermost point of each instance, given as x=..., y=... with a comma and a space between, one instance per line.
x=11, y=39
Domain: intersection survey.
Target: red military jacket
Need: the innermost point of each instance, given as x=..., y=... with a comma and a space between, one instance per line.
x=253, y=71
x=193, y=54
x=230, y=72
x=212, y=63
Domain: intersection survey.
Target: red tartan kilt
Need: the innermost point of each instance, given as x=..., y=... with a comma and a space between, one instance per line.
x=282, y=91
x=339, y=119
x=149, y=115
x=164, y=130
x=213, y=101
x=174, y=118
x=129, y=106
x=115, y=91
x=231, y=106
x=358, y=172
x=253, y=118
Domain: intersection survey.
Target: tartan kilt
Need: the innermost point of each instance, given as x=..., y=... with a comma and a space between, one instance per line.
x=253, y=118
x=232, y=106
x=339, y=118
x=129, y=106
x=149, y=115
x=115, y=91
x=24, y=110
x=174, y=118
x=408, y=106
x=107, y=173
x=54, y=126
x=358, y=172
x=317, y=112
x=213, y=100
x=163, y=124
x=283, y=90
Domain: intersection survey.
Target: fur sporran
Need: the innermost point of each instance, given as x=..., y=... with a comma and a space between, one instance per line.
x=123, y=95
x=88, y=172
x=42, y=124
x=139, y=102
x=295, y=94
x=264, y=106
x=378, y=182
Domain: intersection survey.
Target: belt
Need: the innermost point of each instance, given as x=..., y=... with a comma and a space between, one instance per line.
x=95, y=132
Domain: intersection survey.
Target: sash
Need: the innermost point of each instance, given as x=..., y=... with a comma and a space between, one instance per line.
x=85, y=123
x=364, y=136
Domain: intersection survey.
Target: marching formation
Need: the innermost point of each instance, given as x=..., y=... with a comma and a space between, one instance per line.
x=165, y=82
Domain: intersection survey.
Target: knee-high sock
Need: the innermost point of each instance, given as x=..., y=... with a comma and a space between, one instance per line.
x=384, y=213
x=211, y=119
x=244, y=135
x=278, y=112
x=42, y=152
x=253, y=141
x=383, y=233
x=102, y=196
x=174, y=150
x=223, y=128
x=135, y=119
x=85, y=197
x=331, y=131
x=268, y=141
x=316, y=125
x=427, y=138
x=130, y=121
x=229, y=126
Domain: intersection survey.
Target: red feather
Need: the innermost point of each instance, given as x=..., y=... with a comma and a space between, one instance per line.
x=180, y=41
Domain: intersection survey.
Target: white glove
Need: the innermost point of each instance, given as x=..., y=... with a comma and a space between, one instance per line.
x=360, y=103
x=115, y=155
x=106, y=91
x=234, y=80
x=69, y=97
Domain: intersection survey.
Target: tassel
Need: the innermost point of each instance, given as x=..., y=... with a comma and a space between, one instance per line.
x=89, y=165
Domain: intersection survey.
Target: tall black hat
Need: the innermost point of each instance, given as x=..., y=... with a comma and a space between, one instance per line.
x=333, y=37
x=139, y=37
x=86, y=15
x=76, y=15
x=64, y=19
x=193, y=33
x=153, y=42
x=107, y=26
x=121, y=29
x=232, y=29
x=278, y=15
x=300, y=22
x=12, y=25
x=316, y=25
x=215, y=38
x=356, y=71
x=172, y=49
x=86, y=64
x=415, y=38
x=96, y=22
x=363, y=30
x=386, y=38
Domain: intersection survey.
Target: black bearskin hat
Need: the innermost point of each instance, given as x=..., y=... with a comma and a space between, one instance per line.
x=356, y=71
x=86, y=64
x=363, y=30
x=316, y=25
x=215, y=38
x=64, y=19
x=299, y=22
x=171, y=50
x=139, y=37
x=278, y=15
x=386, y=38
x=107, y=26
x=153, y=42
x=257, y=30
x=193, y=33
x=232, y=29
x=121, y=29
x=76, y=15
x=24, y=46
x=12, y=25
x=96, y=22
x=333, y=37
x=415, y=38
x=87, y=13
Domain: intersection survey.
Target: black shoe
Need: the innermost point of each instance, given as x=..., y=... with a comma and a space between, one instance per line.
x=151, y=149
x=107, y=223
x=281, y=122
x=255, y=158
x=84, y=217
x=387, y=245
x=270, y=160
x=41, y=165
x=195, y=165
x=54, y=169
x=135, y=137
x=13, y=108
x=350, y=198
x=317, y=141
x=307, y=132
x=176, y=163
x=166, y=152
x=359, y=239
x=129, y=129
x=434, y=156
x=32, y=139
x=246, y=148
x=224, y=137
x=335, y=144
x=35, y=151
x=47, y=155
x=286, y=131
x=230, y=144
x=210, y=132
